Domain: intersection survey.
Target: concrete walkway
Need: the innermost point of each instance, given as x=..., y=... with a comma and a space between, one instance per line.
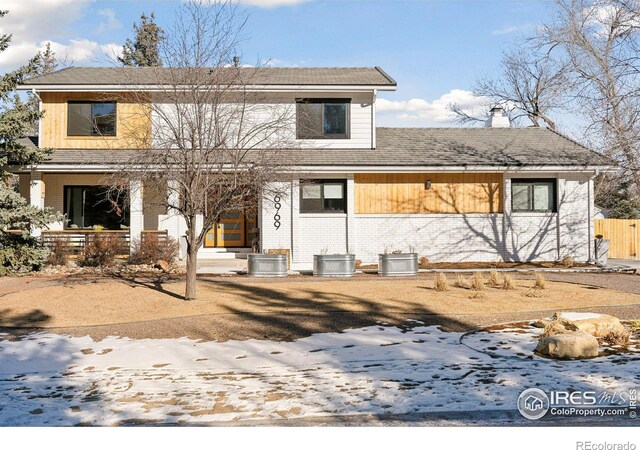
x=222, y=266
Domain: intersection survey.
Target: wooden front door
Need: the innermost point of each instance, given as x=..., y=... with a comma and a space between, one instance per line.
x=230, y=230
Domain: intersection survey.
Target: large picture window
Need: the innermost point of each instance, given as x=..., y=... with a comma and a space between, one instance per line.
x=323, y=196
x=91, y=119
x=533, y=195
x=94, y=206
x=322, y=118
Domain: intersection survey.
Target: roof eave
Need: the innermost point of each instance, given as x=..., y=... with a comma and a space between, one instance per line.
x=161, y=88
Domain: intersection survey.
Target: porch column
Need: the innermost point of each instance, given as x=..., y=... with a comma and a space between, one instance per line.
x=36, y=197
x=136, y=215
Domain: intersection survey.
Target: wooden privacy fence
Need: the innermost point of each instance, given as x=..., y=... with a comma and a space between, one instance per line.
x=623, y=235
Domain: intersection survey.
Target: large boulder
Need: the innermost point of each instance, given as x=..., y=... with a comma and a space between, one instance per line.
x=568, y=345
x=601, y=326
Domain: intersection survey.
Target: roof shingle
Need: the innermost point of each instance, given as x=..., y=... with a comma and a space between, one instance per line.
x=141, y=76
x=428, y=147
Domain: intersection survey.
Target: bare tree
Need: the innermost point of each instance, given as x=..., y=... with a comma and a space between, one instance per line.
x=531, y=85
x=216, y=140
x=600, y=40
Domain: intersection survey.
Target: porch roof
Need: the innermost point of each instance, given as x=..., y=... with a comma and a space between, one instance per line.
x=413, y=147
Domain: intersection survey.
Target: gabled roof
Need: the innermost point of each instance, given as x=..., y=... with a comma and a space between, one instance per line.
x=446, y=148
x=267, y=76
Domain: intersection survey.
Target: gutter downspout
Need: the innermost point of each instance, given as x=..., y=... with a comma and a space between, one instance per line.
x=590, y=217
x=373, y=120
x=33, y=91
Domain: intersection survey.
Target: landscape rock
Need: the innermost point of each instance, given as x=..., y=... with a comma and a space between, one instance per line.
x=598, y=325
x=568, y=345
x=542, y=323
x=163, y=265
x=559, y=326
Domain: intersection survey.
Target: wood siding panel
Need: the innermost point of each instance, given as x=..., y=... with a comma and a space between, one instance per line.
x=623, y=236
x=133, y=122
x=455, y=193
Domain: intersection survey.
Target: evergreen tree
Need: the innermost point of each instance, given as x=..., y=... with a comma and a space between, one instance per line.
x=19, y=252
x=143, y=51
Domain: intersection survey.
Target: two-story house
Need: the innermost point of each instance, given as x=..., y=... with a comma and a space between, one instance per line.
x=497, y=193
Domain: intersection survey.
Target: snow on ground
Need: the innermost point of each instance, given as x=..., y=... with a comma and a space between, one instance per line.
x=50, y=379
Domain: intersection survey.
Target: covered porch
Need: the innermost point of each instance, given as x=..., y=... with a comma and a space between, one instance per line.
x=90, y=207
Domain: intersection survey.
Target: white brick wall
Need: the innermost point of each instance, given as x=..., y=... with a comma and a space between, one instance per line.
x=440, y=237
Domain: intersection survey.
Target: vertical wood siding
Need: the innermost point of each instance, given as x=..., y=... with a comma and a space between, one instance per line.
x=405, y=193
x=133, y=122
x=623, y=236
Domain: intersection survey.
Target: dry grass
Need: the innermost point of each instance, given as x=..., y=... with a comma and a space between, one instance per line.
x=441, y=284
x=68, y=305
x=478, y=296
x=568, y=262
x=461, y=282
x=494, y=278
x=477, y=282
x=541, y=282
x=508, y=283
x=533, y=293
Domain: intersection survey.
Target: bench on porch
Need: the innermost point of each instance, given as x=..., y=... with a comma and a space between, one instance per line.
x=76, y=239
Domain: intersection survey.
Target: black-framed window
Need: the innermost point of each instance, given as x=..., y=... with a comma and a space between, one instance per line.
x=533, y=195
x=91, y=118
x=95, y=206
x=323, y=196
x=322, y=118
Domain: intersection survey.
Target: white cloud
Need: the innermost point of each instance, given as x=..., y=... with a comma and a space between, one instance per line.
x=602, y=15
x=506, y=30
x=110, y=21
x=423, y=112
x=33, y=23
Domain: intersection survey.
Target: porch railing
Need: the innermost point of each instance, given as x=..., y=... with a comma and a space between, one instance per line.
x=76, y=240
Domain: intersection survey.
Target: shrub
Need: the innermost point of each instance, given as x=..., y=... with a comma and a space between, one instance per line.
x=477, y=282
x=461, y=282
x=568, y=262
x=423, y=261
x=152, y=248
x=59, y=251
x=440, y=283
x=100, y=250
x=507, y=283
x=20, y=254
x=533, y=292
x=358, y=263
x=494, y=278
x=540, y=283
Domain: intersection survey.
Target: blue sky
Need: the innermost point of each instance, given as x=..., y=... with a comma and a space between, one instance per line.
x=434, y=49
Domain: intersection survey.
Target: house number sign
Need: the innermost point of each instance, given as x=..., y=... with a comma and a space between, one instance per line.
x=276, y=217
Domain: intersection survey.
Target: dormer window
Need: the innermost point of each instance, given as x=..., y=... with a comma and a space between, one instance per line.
x=322, y=118
x=91, y=119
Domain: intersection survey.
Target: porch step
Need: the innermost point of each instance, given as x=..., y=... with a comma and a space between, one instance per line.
x=223, y=253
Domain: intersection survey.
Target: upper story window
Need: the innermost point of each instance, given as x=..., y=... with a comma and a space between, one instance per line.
x=529, y=195
x=91, y=119
x=323, y=196
x=322, y=118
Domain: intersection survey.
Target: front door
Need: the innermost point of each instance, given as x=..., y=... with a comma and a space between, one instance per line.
x=230, y=230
